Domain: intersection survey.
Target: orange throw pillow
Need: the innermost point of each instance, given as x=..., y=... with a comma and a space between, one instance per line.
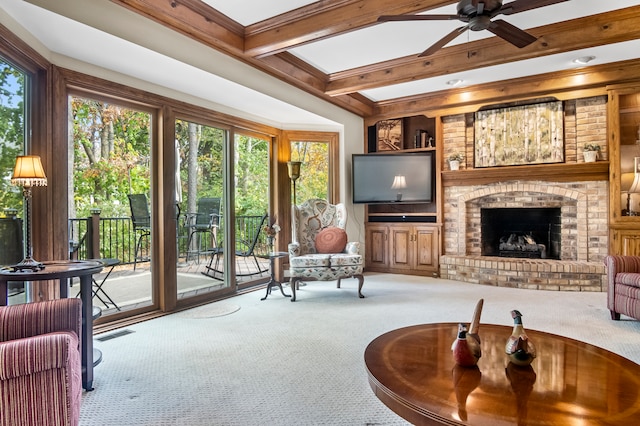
x=331, y=240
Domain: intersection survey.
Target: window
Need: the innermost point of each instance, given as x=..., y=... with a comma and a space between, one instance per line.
x=318, y=172
x=13, y=84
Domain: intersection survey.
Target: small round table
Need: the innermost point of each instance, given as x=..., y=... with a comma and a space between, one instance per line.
x=62, y=270
x=411, y=370
x=272, y=256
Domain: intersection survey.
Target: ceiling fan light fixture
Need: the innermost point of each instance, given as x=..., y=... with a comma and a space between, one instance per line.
x=454, y=82
x=584, y=60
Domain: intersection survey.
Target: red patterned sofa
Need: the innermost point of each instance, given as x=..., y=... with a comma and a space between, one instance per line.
x=40, y=369
x=623, y=293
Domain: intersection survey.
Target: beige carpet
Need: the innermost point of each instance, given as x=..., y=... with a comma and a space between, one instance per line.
x=274, y=362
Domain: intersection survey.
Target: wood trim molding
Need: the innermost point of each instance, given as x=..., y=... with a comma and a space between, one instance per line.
x=544, y=172
x=587, y=82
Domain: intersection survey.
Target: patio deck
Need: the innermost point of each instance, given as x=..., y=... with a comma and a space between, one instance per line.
x=131, y=289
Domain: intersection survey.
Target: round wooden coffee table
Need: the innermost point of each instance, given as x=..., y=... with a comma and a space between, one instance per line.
x=412, y=371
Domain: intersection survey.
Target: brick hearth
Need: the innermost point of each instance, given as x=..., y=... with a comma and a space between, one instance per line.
x=584, y=235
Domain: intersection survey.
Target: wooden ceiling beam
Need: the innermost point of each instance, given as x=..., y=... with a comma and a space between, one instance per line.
x=193, y=18
x=591, y=81
x=610, y=27
x=323, y=19
x=202, y=23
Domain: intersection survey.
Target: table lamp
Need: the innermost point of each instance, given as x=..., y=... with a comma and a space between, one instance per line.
x=635, y=188
x=28, y=172
x=399, y=182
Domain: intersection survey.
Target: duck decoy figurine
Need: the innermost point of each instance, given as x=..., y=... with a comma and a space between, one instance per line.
x=466, y=348
x=519, y=348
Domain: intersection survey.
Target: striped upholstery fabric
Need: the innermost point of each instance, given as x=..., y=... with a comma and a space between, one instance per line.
x=623, y=291
x=40, y=368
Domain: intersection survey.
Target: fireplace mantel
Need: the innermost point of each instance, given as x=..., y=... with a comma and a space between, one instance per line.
x=561, y=172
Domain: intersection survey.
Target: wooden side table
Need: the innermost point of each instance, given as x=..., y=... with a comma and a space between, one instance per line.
x=411, y=370
x=62, y=270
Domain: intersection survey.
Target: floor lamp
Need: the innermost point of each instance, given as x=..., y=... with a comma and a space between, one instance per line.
x=294, y=173
x=27, y=173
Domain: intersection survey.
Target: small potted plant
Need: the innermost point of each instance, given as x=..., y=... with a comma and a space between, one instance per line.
x=590, y=152
x=454, y=160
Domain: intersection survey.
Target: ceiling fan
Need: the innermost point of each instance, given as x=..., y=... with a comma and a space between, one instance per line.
x=478, y=15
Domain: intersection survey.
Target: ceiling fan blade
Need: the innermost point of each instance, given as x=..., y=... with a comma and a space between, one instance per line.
x=443, y=41
x=524, y=5
x=389, y=18
x=511, y=33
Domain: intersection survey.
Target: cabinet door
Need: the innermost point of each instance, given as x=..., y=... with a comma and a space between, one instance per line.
x=402, y=247
x=377, y=248
x=427, y=253
x=626, y=242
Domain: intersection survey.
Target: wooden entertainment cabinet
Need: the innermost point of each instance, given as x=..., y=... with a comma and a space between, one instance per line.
x=405, y=237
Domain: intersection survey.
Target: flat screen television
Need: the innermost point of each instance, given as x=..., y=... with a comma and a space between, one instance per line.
x=393, y=177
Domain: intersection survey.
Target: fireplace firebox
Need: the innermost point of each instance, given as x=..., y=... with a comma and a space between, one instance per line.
x=521, y=232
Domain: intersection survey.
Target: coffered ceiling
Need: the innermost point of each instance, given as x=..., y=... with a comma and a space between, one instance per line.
x=337, y=50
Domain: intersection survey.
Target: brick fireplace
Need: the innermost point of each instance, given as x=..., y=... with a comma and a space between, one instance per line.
x=583, y=203
x=582, y=235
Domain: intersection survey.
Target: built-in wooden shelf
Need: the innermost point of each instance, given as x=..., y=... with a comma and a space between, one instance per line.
x=561, y=172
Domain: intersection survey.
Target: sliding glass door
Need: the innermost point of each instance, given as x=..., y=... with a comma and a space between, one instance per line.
x=200, y=208
x=109, y=203
x=251, y=195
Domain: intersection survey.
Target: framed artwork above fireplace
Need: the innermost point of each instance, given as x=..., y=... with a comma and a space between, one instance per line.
x=518, y=135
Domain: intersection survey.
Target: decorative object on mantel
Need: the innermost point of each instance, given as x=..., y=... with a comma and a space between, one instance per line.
x=519, y=348
x=454, y=160
x=590, y=152
x=466, y=348
x=520, y=134
x=28, y=172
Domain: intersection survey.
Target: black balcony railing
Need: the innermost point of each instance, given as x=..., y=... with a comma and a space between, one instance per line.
x=114, y=237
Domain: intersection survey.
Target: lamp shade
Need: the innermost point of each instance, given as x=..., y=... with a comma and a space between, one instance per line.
x=294, y=169
x=28, y=171
x=399, y=182
x=635, y=186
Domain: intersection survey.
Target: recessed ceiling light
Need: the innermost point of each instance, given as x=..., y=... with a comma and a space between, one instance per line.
x=454, y=82
x=583, y=60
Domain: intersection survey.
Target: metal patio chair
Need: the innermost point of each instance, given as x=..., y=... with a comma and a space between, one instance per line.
x=141, y=223
x=247, y=240
x=205, y=221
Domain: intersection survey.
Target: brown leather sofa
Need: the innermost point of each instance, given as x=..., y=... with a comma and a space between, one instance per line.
x=623, y=292
x=40, y=368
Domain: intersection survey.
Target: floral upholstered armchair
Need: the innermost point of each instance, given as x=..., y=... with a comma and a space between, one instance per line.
x=320, y=250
